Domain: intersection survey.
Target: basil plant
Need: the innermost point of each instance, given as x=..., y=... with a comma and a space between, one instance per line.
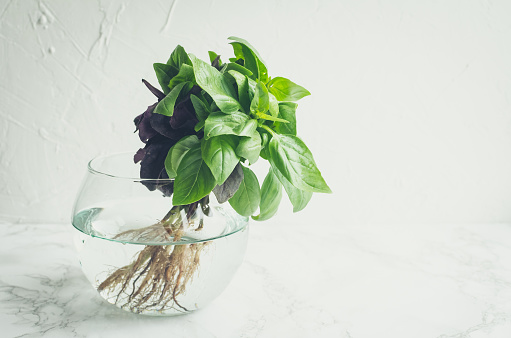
x=213, y=120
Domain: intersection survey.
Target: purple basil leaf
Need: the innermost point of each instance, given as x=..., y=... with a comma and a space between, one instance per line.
x=158, y=93
x=153, y=163
x=182, y=113
x=153, y=166
x=226, y=190
x=189, y=126
x=196, y=90
x=143, y=125
x=139, y=156
x=216, y=62
x=161, y=124
x=137, y=121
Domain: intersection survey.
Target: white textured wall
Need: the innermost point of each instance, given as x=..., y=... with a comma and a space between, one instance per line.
x=409, y=121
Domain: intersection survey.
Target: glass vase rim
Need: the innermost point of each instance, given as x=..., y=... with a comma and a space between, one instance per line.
x=95, y=171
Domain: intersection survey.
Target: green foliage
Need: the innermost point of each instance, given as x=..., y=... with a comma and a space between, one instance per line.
x=164, y=73
x=291, y=157
x=216, y=85
x=250, y=146
x=201, y=108
x=194, y=179
x=243, y=90
x=249, y=128
x=298, y=198
x=261, y=101
x=179, y=57
x=274, y=105
x=177, y=152
x=252, y=60
x=246, y=200
x=287, y=111
x=286, y=90
x=271, y=194
x=219, y=154
x=242, y=115
x=166, y=106
x=267, y=117
x=185, y=75
x=238, y=68
x=219, y=123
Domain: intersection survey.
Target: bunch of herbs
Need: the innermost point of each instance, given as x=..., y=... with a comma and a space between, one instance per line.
x=211, y=122
x=238, y=114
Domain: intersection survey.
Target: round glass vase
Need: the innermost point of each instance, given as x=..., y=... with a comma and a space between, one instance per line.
x=144, y=254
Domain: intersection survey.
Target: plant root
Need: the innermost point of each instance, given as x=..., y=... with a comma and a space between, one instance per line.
x=160, y=273
x=155, y=279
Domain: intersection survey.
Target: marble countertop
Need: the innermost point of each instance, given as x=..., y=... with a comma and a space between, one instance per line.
x=344, y=281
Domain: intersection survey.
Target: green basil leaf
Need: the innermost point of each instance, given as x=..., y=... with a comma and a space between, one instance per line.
x=231, y=66
x=246, y=43
x=179, y=57
x=206, y=98
x=286, y=90
x=251, y=88
x=243, y=94
x=251, y=62
x=216, y=85
x=265, y=154
x=270, y=118
x=294, y=160
x=176, y=153
x=201, y=108
x=229, y=78
x=248, y=129
x=219, y=123
x=287, y=111
x=274, y=105
x=213, y=107
x=219, y=154
x=165, y=73
x=198, y=126
x=271, y=195
x=194, y=180
x=166, y=106
x=244, y=50
x=185, y=75
x=250, y=147
x=261, y=102
x=265, y=139
x=298, y=198
x=246, y=199
x=238, y=52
